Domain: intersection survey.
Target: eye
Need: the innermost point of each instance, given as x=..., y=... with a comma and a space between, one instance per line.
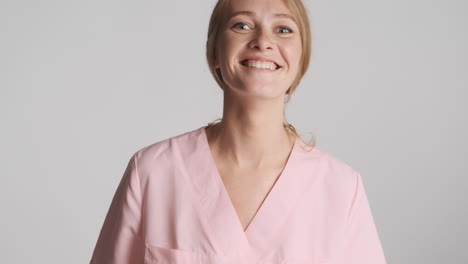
x=285, y=30
x=241, y=26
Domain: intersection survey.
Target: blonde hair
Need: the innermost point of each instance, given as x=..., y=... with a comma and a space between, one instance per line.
x=299, y=11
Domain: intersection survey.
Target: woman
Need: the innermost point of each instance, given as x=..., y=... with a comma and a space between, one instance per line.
x=246, y=189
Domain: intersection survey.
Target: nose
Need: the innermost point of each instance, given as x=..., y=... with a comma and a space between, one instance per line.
x=262, y=41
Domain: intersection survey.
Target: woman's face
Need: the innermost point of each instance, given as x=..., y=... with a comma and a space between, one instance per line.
x=259, y=48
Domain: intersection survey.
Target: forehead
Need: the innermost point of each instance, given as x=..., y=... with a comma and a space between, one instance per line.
x=258, y=6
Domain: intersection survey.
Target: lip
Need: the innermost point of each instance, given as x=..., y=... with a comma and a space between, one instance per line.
x=262, y=59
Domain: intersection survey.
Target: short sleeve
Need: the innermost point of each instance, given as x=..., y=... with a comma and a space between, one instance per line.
x=120, y=241
x=361, y=241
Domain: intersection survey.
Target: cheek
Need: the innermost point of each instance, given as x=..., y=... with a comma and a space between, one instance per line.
x=225, y=48
x=220, y=50
x=293, y=53
x=232, y=45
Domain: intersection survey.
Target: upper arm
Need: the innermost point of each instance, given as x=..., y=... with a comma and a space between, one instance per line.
x=361, y=244
x=120, y=240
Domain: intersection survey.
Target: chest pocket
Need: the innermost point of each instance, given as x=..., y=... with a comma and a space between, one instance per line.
x=160, y=255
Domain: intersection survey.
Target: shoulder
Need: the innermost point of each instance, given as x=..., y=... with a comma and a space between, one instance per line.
x=338, y=182
x=336, y=165
x=327, y=162
x=336, y=173
x=165, y=149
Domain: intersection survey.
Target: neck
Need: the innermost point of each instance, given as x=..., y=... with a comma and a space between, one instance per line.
x=251, y=138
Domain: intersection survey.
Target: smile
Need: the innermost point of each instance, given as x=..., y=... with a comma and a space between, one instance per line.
x=260, y=64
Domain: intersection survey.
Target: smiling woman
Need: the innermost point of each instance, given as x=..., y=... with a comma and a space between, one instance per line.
x=294, y=19
x=289, y=23
x=246, y=189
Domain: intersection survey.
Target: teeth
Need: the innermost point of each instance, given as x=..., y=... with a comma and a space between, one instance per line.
x=260, y=64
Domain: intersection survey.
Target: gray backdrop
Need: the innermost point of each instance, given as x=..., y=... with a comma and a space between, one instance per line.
x=84, y=84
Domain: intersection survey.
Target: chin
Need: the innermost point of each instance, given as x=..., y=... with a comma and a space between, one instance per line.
x=262, y=91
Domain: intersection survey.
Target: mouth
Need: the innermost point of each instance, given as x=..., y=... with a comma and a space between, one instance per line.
x=261, y=64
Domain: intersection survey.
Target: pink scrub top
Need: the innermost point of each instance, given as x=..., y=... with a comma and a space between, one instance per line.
x=171, y=207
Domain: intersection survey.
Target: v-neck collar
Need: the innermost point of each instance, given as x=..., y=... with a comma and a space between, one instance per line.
x=222, y=226
x=270, y=195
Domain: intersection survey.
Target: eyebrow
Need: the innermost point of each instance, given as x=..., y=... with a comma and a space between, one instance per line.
x=250, y=13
